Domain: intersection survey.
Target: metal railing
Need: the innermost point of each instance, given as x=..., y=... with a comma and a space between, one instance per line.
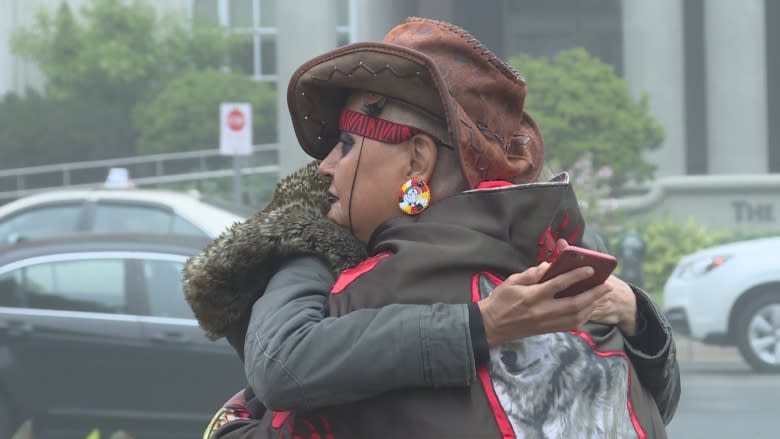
x=146, y=170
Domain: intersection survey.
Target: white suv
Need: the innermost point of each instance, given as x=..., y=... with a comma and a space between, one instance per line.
x=730, y=295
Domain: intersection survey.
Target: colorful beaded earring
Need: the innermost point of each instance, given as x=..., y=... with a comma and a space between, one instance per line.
x=414, y=197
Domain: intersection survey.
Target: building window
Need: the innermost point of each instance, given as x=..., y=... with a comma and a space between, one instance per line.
x=255, y=22
x=546, y=28
x=696, y=130
x=772, y=14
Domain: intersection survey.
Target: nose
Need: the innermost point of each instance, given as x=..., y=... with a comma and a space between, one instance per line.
x=328, y=165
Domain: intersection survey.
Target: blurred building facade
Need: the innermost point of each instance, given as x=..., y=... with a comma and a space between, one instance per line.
x=706, y=64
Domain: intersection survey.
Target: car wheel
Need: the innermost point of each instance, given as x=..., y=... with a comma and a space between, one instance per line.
x=758, y=334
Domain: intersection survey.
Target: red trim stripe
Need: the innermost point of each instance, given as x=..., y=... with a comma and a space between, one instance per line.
x=492, y=184
x=326, y=425
x=634, y=420
x=313, y=433
x=575, y=234
x=278, y=418
x=492, y=278
x=351, y=274
x=504, y=426
x=564, y=222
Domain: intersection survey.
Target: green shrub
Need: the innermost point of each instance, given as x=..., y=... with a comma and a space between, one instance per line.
x=668, y=240
x=184, y=116
x=38, y=130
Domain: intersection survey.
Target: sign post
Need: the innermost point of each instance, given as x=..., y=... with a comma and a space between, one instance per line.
x=235, y=138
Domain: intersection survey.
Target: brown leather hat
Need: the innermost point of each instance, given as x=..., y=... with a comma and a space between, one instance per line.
x=440, y=68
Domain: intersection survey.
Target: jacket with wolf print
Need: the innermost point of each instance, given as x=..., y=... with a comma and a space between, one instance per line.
x=578, y=384
x=222, y=275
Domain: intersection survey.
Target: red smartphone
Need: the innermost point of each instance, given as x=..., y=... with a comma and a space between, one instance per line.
x=573, y=257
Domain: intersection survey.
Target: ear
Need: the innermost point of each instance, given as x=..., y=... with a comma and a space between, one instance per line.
x=423, y=155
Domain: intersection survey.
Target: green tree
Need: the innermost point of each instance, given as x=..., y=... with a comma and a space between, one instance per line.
x=185, y=114
x=36, y=129
x=117, y=49
x=582, y=106
x=116, y=53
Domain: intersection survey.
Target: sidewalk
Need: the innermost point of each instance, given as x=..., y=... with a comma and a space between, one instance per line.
x=691, y=350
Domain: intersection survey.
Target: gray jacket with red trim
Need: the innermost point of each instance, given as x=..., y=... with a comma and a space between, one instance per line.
x=578, y=384
x=296, y=365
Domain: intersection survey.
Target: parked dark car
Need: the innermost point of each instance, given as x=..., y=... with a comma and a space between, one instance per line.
x=95, y=333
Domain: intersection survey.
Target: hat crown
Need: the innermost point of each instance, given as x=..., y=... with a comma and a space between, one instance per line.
x=490, y=92
x=472, y=72
x=437, y=67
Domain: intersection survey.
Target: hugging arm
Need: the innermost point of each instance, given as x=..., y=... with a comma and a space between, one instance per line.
x=296, y=358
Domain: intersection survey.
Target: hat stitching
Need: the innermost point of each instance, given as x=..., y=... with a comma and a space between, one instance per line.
x=475, y=146
x=322, y=135
x=527, y=137
x=522, y=145
x=489, y=134
x=363, y=66
x=482, y=170
x=502, y=138
x=503, y=67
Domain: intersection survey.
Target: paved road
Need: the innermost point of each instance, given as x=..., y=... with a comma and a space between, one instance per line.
x=723, y=398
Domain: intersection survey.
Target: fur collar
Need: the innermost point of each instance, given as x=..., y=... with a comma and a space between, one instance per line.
x=223, y=281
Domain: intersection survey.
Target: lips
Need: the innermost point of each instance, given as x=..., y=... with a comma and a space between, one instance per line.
x=332, y=198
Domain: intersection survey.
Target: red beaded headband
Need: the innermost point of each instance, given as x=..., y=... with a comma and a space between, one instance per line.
x=375, y=128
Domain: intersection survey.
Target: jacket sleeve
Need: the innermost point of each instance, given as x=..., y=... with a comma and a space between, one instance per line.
x=298, y=359
x=654, y=356
x=652, y=351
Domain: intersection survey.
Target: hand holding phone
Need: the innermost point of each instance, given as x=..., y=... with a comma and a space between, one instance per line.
x=572, y=257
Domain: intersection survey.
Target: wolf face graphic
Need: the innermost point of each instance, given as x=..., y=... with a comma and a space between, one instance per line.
x=555, y=386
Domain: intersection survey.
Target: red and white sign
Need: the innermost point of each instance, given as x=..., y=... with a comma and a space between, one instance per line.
x=235, y=128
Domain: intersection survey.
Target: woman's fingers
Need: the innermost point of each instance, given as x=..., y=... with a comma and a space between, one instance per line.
x=568, y=313
x=518, y=310
x=521, y=306
x=531, y=276
x=559, y=283
x=547, y=289
x=618, y=307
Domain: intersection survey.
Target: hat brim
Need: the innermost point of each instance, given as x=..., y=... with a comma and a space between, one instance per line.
x=319, y=88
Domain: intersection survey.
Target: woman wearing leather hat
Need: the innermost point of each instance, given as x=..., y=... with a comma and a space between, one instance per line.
x=427, y=204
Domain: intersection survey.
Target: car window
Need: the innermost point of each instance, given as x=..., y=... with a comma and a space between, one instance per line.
x=129, y=218
x=10, y=289
x=184, y=227
x=134, y=218
x=163, y=282
x=40, y=222
x=86, y=285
